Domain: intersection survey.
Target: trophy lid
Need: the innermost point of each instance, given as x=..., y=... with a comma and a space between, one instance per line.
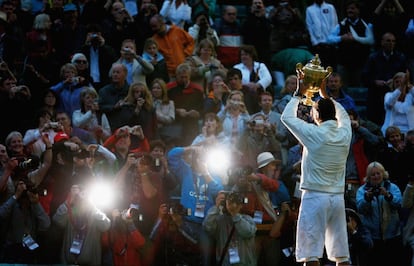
x=313, y=70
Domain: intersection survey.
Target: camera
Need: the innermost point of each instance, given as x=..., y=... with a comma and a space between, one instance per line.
x=94, y=35
x=376, y=190
x=28, y=163
x=238, y=173
x=54, y=125
x=176, y=208
x=131, y=213
x=232, y=197
x=75, y=80
x=256, y=122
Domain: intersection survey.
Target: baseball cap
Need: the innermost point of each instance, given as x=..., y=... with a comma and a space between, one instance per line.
x=265, y=158
x=60, y=136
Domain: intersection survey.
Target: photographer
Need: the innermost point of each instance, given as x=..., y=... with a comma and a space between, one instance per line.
x=22, y=164
x=137, y=66
x=256, y=187
x=260, y=137
x=199, y=188
x=82, y=226
x=24, y=218
x=201, y=29
x=233, y=231
x=174, y=238
x=124, y=239
x=378, y=202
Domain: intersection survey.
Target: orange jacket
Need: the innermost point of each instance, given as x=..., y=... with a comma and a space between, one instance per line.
x=175, y=46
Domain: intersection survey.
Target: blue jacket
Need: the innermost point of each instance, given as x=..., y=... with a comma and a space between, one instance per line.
x=380, y=215
x=194, y=190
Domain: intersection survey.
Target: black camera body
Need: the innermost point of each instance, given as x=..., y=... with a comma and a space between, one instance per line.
x=376, y=190
x=232, y=197
x=29, y=163
x=131, y=213
x=238, y=173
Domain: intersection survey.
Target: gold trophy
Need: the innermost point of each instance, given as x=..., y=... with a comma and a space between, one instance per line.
x=313, y=74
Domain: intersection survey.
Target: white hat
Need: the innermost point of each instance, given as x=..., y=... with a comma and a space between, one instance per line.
x=78, y=56
x=3, y=16
x=265, y=158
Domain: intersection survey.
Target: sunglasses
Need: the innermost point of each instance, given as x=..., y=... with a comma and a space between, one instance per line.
x=81, y=62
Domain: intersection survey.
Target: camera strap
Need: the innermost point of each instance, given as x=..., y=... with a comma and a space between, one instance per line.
x=226, y=246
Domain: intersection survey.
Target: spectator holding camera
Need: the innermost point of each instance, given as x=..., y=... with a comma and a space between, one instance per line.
x=272, y=120
x=142, y=187
x=119, y=25
x=255, y=186
x=176, y=242
x=124, y=141
x=81, y=63
x=234, y=116
x=199, y=188
x=68, y=89
x=233, y=231
x=90, y=118
x=137, y=66
x=378, y=202
x=259, y=137
x=83, y=225
x=137, y=108
x=32, y=139
x=24, y=219
x=100, y=65
x=123, y=239
x=201, y=29
x=217, y=93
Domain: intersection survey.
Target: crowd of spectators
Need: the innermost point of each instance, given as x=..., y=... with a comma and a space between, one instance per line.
x=138, y=94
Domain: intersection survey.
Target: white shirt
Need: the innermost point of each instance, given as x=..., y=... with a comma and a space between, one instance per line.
x=320, y=21
x=178, y=16
x=325, y=148
x=265, y=78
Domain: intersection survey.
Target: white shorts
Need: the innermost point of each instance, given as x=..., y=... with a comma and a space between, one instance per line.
x=321, y=222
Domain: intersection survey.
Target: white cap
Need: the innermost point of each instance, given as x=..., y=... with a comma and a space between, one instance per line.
x=265, y=158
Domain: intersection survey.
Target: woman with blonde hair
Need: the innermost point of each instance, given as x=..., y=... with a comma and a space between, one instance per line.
x=90, y=118
x=378, y=202
x=164, y=107
x=204, y=63
x=138, y=109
